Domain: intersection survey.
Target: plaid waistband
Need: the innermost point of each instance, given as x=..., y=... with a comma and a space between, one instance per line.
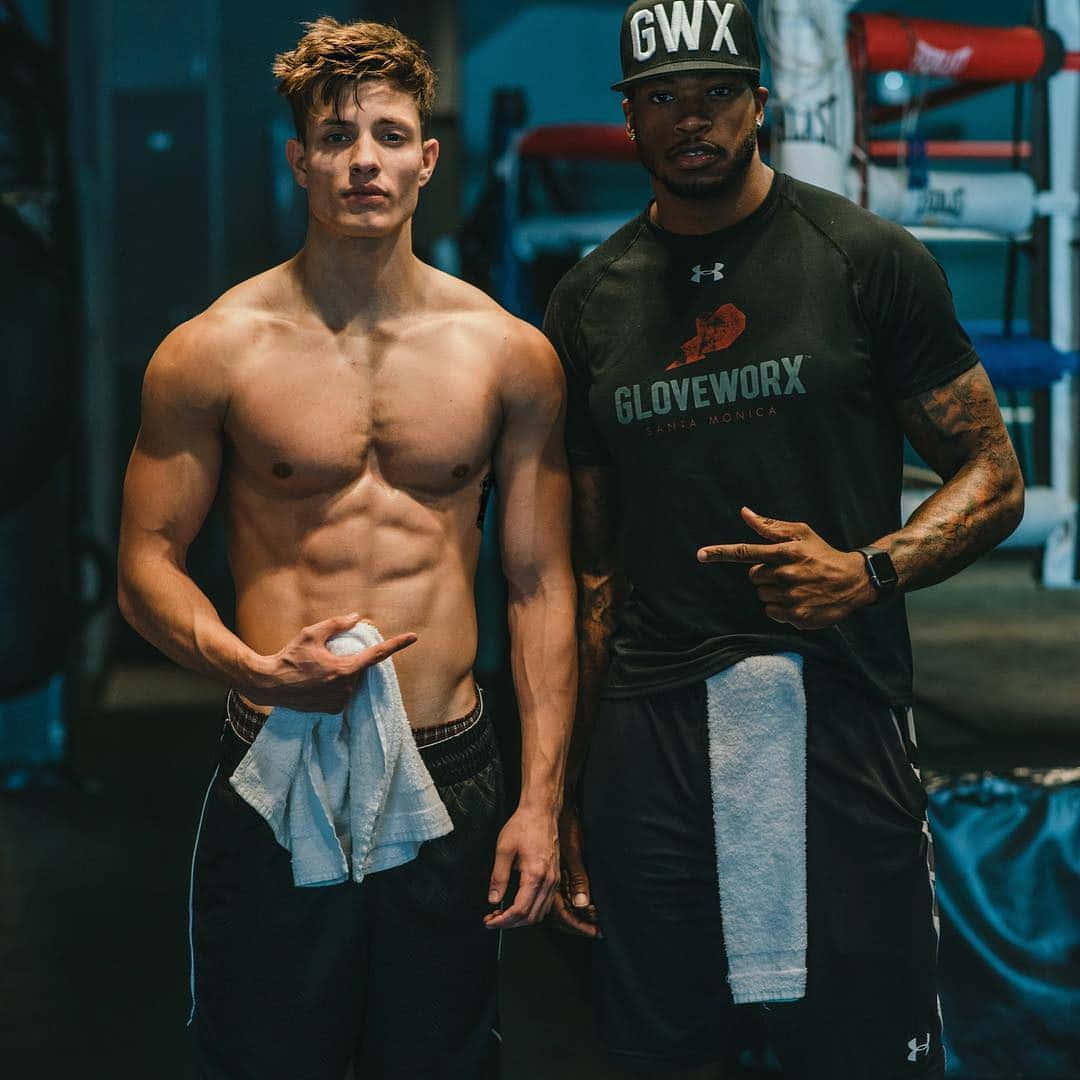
x=452, y=752
x=247, y=722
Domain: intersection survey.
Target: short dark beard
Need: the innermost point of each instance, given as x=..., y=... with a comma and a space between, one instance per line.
x=708, y=187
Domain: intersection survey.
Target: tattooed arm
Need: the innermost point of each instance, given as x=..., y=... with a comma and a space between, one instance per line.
x=596, y=571
x=598, y=585
x=957, y=428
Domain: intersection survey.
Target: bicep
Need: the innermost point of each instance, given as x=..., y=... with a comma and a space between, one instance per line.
x=172, y=475
x=957, y=423
x=531, y=477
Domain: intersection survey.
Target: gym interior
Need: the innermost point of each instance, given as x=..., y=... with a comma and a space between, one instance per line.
x=142, y=173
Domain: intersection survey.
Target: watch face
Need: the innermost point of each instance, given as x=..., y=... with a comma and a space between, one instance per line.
x=882, y=570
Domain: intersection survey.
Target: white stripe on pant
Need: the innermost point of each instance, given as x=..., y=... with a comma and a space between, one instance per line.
x=191, y=894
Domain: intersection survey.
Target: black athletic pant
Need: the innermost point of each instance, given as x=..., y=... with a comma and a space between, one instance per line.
x=870, y=1012
x=398, y=972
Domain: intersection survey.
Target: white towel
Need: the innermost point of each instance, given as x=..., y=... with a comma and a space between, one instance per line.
x=757, y=753
x=347, y=794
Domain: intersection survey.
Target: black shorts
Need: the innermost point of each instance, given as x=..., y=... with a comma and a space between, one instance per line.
x=397, y=973
x=871, y=1009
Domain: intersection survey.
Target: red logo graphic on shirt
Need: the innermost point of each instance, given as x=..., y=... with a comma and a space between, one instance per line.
x=715, y=332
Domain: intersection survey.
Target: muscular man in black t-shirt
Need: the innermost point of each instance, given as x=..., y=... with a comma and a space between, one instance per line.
x=743, y=360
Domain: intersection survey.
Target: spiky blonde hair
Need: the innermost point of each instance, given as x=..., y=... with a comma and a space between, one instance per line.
x=332, y=58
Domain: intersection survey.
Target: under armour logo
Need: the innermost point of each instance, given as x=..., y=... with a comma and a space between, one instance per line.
x=918, y=1048
x=716, y=273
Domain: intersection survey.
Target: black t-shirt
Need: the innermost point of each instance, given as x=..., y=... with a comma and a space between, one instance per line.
x=753, y=366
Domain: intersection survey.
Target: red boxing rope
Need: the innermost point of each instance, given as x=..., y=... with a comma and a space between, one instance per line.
x=966, y=149
x=591, y=142
x=608, y=142
x=956, y=51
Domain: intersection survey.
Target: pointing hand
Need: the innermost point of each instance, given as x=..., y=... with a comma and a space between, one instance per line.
x=800, y=579
x=305, y=675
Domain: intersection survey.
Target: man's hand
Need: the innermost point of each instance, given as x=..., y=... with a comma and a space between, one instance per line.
x=529, y=843
x=573, y=907
x=307, y=677
x=800, y=579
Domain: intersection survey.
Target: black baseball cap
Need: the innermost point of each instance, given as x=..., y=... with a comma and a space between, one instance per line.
x=677, y=36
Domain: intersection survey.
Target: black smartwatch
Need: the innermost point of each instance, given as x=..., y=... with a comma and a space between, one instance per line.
x=882, y=573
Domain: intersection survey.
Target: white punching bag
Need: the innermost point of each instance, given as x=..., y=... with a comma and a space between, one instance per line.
x=812, y=100
x=1002, y=202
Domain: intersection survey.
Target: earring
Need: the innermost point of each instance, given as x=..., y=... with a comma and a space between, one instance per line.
x=631, y=134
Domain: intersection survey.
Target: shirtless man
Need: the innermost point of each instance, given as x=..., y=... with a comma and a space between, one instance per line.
x=352, y=405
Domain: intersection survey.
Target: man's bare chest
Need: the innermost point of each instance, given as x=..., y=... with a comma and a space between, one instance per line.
x=308, y=425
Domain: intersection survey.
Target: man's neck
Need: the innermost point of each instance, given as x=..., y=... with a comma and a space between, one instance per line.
x=357, y=281
x=696, y=217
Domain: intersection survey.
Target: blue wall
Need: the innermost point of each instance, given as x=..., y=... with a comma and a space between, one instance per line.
x=565, y=56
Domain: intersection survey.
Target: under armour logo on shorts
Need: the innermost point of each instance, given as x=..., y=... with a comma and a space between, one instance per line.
x=918, y=1048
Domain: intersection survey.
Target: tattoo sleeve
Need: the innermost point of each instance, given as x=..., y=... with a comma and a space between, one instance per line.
x=599, y=584
x=958, y=430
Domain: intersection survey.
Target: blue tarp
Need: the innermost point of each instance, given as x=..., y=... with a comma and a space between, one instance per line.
x=1008, y=877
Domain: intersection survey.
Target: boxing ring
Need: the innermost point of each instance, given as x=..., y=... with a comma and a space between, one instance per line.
x=821, y=59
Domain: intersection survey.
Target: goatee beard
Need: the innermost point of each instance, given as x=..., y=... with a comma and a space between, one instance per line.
x=709, y=188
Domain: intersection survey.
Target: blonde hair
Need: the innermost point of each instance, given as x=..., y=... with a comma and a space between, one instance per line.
x=333, y=58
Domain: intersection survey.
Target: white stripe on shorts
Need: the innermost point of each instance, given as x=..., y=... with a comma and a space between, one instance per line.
x=191, y=895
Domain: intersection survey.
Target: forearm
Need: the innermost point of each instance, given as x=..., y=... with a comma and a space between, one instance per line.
x=970, y=514
x=597, y=595
x=544, y=668
x=167, y=608
x=957, y=428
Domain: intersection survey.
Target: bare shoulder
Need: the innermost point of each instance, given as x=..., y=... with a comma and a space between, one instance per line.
x=533, y=374
x=525, y=362
x=195, y=362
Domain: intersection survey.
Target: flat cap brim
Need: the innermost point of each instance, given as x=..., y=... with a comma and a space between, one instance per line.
x=684, y=67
